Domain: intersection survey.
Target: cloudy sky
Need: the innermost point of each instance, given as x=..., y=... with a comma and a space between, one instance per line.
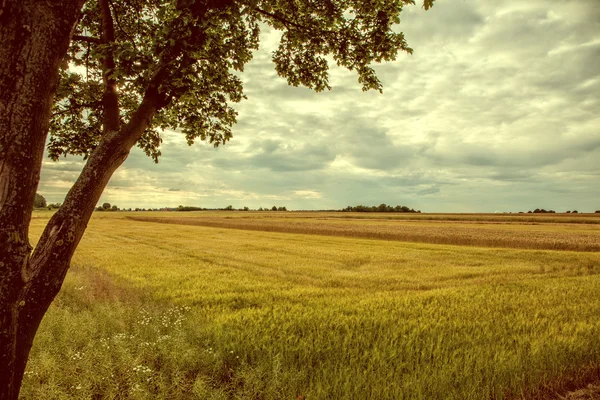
x=498, y=109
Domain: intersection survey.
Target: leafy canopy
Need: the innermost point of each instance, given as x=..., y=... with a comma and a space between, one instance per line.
x=191, y=53
x=39, y=201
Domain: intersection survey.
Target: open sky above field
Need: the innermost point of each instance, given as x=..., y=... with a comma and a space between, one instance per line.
x=497, y=109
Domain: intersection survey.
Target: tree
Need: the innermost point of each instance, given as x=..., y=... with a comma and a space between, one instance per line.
x=106, y=206
x=34, y=37
x=103, y=76
x=381, y=208
x=53, y=206
x=39, y=201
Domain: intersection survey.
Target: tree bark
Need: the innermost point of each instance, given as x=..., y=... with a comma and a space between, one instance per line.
x=34, y=37
x=110, y=97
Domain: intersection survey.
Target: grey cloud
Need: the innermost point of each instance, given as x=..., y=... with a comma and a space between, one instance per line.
x=546, y=152
x=370, y=147
x=64, y=165
x=447, y=19
x=412, y=179
x=513, y=175
x=275, y=156
x=431, y=190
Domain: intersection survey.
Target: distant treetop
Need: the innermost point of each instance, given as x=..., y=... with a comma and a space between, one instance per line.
x=40, y=201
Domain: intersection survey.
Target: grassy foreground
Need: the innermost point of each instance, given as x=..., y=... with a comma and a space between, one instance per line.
x=180, y=312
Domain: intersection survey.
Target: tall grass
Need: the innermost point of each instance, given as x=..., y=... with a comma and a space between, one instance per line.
x=179, y=312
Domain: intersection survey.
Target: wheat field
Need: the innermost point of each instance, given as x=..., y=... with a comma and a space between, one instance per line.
x=560, y=232
x=233, y=305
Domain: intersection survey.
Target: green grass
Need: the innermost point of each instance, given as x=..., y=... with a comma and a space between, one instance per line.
x=177, y=312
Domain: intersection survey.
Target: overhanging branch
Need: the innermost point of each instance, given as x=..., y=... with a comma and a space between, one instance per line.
x=289, y=23
x=87, y=39
x=279, y=18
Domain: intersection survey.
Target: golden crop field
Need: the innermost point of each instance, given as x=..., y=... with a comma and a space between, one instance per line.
x=209, y=305
x=561, y=232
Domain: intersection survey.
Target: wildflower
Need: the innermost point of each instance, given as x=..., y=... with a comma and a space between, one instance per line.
x=142, y=369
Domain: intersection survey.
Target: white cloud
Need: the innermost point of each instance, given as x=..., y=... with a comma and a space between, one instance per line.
x=308, y=194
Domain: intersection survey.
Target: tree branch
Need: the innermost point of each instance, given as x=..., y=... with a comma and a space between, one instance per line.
x=87, y=39
x=123, y=31
x=289, y=23
x=66, y=227
x=76, y=107
x=284, y=21
x=110, y=98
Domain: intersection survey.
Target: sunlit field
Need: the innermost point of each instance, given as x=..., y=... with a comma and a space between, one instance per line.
x=234, y=305
x=580, y=232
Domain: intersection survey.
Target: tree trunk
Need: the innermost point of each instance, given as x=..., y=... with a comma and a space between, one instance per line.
x=34, y=37
x=33, y=40
x=30, y=281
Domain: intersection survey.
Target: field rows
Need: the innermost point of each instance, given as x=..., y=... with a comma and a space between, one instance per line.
x=574, y=237
x=500, y=218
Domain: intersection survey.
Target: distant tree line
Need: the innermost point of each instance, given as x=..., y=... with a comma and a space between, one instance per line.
x=542, y=211
x=107, y=207
x=40, y=202
x=188, y=208
x=228, y=208
x=380, y=208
